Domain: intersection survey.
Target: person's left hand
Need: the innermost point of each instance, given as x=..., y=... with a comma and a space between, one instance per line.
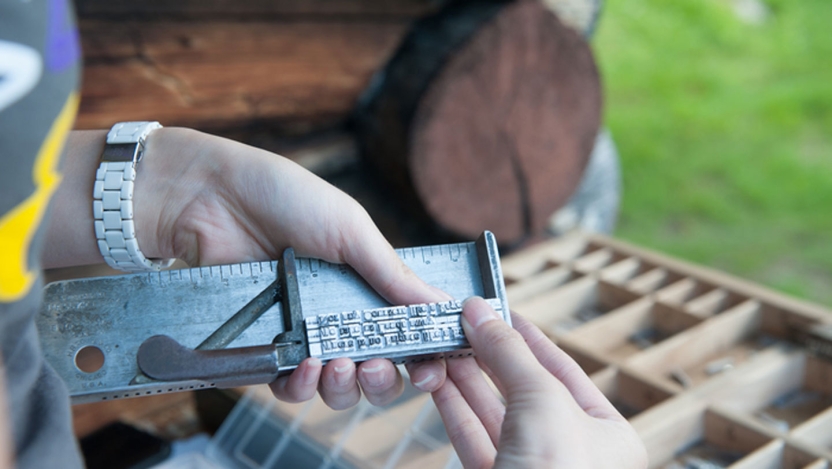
x=209, y=200
x=553, y=415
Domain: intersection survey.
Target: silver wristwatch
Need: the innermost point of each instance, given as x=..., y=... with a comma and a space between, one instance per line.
x=112, y=204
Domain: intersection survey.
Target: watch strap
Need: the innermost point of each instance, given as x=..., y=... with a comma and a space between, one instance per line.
x=115, y=231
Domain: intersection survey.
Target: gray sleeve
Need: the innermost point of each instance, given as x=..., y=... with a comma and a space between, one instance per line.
x=39, y=76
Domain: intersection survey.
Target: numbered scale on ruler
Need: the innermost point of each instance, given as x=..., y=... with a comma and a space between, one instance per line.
x=248, y=323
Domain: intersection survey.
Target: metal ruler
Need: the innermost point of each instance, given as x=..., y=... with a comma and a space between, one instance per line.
x=249, y=323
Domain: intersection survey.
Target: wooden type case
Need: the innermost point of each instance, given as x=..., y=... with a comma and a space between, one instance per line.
x=698, y=361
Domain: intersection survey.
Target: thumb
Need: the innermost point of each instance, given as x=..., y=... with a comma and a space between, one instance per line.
x=500, y=348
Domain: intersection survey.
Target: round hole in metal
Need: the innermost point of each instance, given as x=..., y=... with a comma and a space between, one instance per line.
x=89, y=359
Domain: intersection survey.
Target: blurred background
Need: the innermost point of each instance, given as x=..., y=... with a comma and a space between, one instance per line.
x=720, y=110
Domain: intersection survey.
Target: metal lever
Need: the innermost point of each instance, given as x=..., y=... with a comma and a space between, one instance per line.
x=162, y=358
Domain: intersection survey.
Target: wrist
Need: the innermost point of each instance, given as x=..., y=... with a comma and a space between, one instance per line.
x=176, y=168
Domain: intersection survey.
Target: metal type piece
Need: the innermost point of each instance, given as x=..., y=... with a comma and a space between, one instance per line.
x=680, y=376
x=719, y=365
x=816, y=338
x=780, y=425
x=645, y=338
x=204, y=309
x=382, y=332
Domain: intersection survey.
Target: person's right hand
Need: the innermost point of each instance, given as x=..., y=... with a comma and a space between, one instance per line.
x=554, y=416
x=209, y=200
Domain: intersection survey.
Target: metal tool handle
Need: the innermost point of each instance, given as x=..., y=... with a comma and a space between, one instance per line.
x=162, y=358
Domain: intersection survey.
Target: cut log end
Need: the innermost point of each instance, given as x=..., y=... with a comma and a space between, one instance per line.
x=500, y=135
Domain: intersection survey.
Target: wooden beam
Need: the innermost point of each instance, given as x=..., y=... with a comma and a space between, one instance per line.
x=217, y=74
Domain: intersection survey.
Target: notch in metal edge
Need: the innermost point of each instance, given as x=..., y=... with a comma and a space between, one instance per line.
x=491, y=272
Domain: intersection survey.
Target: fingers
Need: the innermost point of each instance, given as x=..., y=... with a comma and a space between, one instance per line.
x=468, y=436
x=566, y=370
x=427, y=376
x=466, y=375
x=380, y=380
x=338, y=386
x=501, y=349
x=301, y=385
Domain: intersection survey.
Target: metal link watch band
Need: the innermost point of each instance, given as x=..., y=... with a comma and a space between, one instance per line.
x=113, y=198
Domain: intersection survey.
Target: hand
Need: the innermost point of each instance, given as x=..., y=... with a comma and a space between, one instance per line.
x=209, y=200
x=554, y=415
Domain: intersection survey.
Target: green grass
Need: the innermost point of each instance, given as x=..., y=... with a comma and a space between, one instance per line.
x=725, y=134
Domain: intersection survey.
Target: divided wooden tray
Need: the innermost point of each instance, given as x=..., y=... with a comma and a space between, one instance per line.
x=700, y=362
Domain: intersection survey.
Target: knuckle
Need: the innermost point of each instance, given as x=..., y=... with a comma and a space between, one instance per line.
x=494, y=418
x=460, y=432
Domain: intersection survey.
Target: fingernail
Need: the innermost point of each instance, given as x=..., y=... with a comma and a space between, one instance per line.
x=477, y=313
x=373, y=375
x=342, y=375
x=423, y=384
x=310, y=375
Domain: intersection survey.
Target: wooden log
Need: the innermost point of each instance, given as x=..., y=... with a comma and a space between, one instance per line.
x=219, y=74
x=484, y=118
x=258, y=8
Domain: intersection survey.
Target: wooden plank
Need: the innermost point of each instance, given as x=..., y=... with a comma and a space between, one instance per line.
x=214, y=74
x=260, y=8
x=697, y=345
x=727, y=433
x=795, y=456
x=683, y=291
x=816, y=464
x=549, y=279
x=818, y=375
x=548, y=309
x=594, y=260
x=533, y=259
x=816, y=432
x=167, y=415
x=639, y=393
x=767, y=457
x=588, y=361
x=610, y=335
x=623, y=270
x=652, y=280
x=670, y=428
x=713, y=302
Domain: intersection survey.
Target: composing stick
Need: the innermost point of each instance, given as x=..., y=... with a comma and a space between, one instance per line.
x=248, y=323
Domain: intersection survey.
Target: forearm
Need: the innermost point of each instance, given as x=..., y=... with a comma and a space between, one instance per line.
x=70, y=238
